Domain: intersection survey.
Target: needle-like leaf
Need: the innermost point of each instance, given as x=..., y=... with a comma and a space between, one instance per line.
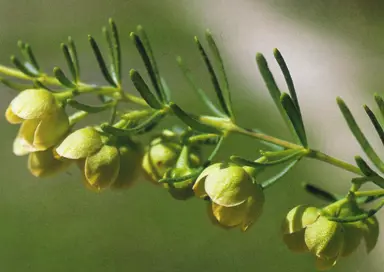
x=375, y=123
x=360, y=137
x=143, y=89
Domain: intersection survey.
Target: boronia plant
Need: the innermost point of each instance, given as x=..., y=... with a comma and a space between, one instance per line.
x=110, y=154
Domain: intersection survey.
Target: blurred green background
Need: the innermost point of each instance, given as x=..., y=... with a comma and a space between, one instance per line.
x=333, y=48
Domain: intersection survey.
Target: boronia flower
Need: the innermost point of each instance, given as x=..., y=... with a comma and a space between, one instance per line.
x=307, y=229
x=161, y=155
x=43, y=122
x=103, y=165
x=237, y=200
x=31, y=104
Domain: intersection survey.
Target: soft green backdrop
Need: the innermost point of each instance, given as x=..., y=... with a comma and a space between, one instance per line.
x=57, y=225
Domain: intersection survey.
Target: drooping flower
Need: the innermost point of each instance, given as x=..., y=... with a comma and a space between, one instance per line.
x=307, y=229
x=237, y=200
x=103, y=165
x=43, y=122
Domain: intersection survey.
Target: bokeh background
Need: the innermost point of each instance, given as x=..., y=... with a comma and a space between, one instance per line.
x=332, y=48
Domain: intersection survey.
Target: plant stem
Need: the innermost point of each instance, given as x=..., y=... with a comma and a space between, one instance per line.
x=223, y=124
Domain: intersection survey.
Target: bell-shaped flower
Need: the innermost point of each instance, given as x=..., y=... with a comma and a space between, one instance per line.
x=41, y=134
x=31, y=104
x=162, y=155
x=236, y=199
x=103, y=165
x=44, y=163
x=80, y=144
x=307, y=228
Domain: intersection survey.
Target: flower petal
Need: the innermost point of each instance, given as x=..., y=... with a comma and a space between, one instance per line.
x=325, y=238
x=11, y=117
x=33, y=103
x=43, y=163
x=371, y=232
x=229, y=216
x=101, y=169
x=80, y=144
x=298, y=218
x=21, y=147
x=229, y=186
x=254, y=205
x=199, y=186
x=295, y=241
x=51, y=129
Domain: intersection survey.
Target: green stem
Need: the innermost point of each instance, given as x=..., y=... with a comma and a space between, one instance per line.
x=377, y=193
x=223, y=124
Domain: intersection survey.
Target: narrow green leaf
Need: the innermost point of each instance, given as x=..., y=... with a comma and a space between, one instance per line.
x=279, y=175
x=375, y=123
x=167, y=90
x=219, y=60
x=380, y=103
x=270, y=145
x=117, y=49
x=288, y=79
x=360, y=217
x=360, y=137
x=320, y=193
x=215, y=151
x=364, y=167
x=191, y=121
x=15, y=85
x=62, y=78
x=40, y=85
x=274, y=91
x=88, y=108
x=295, y=117
x=28, y=54
x=194, y=175
x=243, y=161
x=101, y=62
x=368, y=172
x=23, y=68
x=205, y=139
x=187, y=74
x=74, y=57
x=150, y=122
x=69, y=60
x=277, y=155
x=215, y=81
x=145, y=56
x=143, y=89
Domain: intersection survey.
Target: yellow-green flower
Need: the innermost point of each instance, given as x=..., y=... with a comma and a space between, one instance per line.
x=43, y=163
x=181, y=190
x=236, y=199
x=104, y=165
x=162, y=155
x=307, y=229
x=31, y=104
x=43, y=122
x=41, y=134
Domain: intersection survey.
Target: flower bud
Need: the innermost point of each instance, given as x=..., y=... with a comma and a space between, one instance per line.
x=31, y=104
x=101, y=169
x=80, y=144
x=163, y=155
x=44, y=164
x=325, y=239
x=236, y=199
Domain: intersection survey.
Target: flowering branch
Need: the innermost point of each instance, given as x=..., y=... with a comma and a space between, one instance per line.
x=111, y=155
